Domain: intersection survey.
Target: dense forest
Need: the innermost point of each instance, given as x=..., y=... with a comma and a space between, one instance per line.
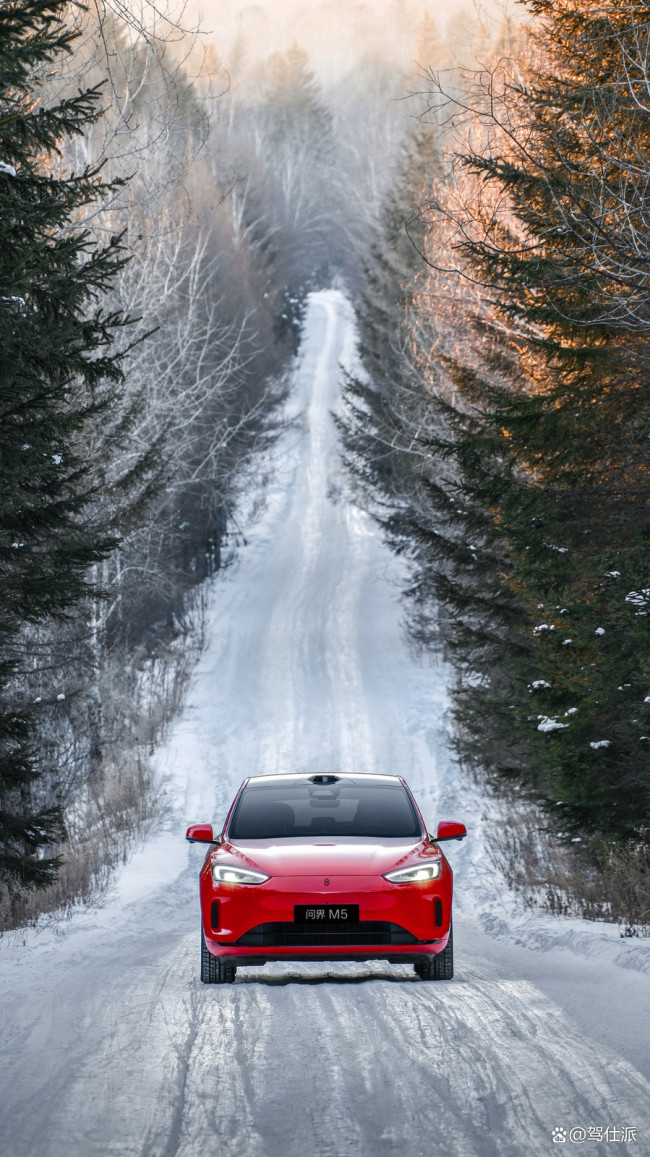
x=163, y=214
x=503, y=426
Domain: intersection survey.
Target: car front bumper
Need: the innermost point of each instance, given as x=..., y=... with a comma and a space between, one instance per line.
x=256, y=922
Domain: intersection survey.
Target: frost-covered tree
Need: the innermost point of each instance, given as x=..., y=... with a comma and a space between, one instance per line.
x=289, y=170
x=431, y=51
x=57, y=375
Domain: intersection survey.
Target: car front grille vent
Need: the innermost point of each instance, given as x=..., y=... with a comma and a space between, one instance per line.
x=291, y=935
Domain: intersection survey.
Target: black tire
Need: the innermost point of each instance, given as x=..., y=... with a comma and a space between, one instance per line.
x=440, y=967
x=215, y=970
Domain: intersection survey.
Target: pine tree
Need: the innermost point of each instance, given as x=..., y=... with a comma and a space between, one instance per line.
x=298, y=196
x=518, y=427
x=555, y=453
x=57, y=374
x=377, y=429
x=296, y=116
x=431, y=52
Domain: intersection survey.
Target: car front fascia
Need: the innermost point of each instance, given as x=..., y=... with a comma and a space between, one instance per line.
x=241, y=907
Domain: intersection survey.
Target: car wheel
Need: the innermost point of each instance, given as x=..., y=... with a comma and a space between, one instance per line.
x=213, y=969
x=439, y=967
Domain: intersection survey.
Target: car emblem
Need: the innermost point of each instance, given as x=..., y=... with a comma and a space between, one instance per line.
x=326, y=881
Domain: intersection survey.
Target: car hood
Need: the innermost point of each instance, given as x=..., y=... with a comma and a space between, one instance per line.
x=362, y=856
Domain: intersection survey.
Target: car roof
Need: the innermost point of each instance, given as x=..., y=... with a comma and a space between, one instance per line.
x=308, y=777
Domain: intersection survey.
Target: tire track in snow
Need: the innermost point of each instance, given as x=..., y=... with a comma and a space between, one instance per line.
x=376, y=1066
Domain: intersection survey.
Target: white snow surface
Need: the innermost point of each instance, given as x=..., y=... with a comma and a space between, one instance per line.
x=111, y=1045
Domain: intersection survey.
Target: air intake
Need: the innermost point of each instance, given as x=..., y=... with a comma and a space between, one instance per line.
x=296, y=935
x=324, y=778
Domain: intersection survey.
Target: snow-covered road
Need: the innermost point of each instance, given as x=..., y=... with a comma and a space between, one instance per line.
x=111, y=1046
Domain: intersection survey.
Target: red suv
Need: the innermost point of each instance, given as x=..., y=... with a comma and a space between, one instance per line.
x=325, y=867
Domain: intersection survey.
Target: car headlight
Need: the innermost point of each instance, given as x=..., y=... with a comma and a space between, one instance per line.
x=416, y=874
x=226, y=874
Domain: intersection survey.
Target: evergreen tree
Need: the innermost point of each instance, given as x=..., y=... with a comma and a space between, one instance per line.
x=57, y=374
x=295, y=114
x=296, y=193
x=521, y=433
x=566, y=421
x=431, y=52
x=394, y=263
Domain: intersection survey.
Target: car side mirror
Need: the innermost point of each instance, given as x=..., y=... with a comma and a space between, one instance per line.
x=202, y=834
x=448, y=830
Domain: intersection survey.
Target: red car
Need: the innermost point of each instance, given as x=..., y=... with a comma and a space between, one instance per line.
x=325, y=867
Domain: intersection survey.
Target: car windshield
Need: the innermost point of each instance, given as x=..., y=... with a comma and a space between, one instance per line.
x=267, y=810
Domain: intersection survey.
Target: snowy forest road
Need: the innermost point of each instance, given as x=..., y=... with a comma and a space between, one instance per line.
x=110, y=1044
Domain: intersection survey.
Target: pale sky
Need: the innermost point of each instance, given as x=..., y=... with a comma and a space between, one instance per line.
x=335, y=33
